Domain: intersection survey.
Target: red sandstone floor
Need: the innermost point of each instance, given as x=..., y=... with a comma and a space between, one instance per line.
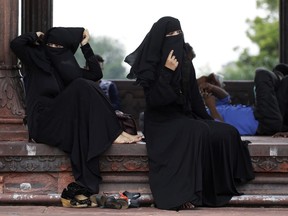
x=143, y=211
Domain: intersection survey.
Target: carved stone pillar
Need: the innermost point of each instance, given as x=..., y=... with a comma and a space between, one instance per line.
x=36, y=15
x=11, y=91
x=283, y=20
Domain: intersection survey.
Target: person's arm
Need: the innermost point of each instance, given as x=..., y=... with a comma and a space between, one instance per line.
x=23, y=43
x=201, y=80
x=211, y=104
x=94, y=72
x=160, y=92
x=217, y=91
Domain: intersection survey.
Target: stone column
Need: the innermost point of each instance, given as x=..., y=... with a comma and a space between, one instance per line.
x=12, y=108
x=36, y=15
x=283, y=27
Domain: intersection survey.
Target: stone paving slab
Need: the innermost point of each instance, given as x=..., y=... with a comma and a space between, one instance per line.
x=142, y=211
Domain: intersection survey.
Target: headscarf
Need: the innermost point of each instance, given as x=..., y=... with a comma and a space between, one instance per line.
x=152, y=53
x=63, y=58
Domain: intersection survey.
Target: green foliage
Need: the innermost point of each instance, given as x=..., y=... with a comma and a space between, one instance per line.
x=112, y=52
x=264, y=33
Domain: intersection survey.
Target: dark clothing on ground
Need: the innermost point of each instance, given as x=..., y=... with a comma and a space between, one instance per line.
x=192, y=158
x=64, y=105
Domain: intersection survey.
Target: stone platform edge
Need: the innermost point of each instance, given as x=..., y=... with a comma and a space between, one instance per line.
x=37, y=173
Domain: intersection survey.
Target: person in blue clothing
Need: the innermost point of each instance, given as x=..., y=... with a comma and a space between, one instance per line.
x=267, y=117
x=108, y=87
x=218, y=103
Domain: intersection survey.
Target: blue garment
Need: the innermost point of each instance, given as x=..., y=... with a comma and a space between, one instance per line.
x=110, y=90
x=240, y=116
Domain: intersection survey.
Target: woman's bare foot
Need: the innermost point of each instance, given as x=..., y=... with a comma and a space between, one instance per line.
x=185, y=206
x=121, y=139
x=127, y=138
x=133, y=138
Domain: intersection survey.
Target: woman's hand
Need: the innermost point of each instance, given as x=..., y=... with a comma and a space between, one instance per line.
x=171, y=61
x=86, y=37
x=40, y=34
x=40, y=37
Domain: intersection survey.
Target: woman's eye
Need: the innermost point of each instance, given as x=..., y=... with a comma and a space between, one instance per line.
x=177, y=32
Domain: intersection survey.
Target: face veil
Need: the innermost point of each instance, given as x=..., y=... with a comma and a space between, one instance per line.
x=63, y=58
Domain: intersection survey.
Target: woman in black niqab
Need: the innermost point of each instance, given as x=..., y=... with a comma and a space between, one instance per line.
x=64, y=105
x=193, y=160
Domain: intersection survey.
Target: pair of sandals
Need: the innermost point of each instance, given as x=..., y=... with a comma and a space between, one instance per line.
x=125, y=200
x=77, y=196
x=111, y=202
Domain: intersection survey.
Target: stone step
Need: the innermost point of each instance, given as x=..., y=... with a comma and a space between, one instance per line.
x=37, y=173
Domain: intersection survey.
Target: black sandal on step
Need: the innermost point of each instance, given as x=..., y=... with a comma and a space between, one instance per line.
x=76, y=196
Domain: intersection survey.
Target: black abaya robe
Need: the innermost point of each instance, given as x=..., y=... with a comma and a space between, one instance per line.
x=192, y=158
x=67, y=110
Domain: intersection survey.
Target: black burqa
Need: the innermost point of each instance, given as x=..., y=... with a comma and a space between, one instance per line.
x=191, y=157
x=65, y=106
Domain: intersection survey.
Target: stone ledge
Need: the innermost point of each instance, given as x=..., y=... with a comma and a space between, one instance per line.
x=37, y=173
x=259, y=146
x=268, y=155
x=24, y=148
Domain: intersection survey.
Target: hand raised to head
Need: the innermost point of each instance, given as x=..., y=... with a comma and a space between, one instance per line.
x=39, y=34
x=86, y=37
